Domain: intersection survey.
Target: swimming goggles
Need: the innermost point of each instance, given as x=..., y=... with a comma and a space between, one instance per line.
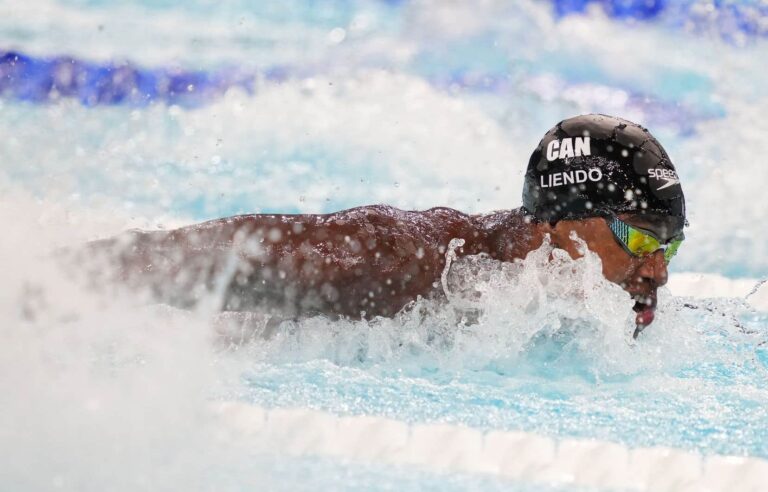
x=639, y=242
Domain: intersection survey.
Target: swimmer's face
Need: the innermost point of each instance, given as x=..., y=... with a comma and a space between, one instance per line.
x=640, y=276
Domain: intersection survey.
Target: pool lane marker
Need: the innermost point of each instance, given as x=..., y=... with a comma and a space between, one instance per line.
x=520, y=456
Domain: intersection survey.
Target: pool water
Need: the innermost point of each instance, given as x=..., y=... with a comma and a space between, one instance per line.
x=156, y=114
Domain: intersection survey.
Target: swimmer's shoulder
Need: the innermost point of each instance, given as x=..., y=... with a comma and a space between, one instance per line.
x=511, y=233
x=389, y=213
x=504, y=218
x=376, y=214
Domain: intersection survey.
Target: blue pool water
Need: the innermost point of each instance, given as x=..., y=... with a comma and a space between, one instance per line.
x=154, y=114
x=565, y=380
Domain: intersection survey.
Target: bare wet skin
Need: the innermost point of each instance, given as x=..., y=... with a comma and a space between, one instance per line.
x=359, y=263
x=640, y=276
x=652, y=271
x=363, y=262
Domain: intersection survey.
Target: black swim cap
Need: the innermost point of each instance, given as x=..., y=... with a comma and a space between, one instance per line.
x=595, y=165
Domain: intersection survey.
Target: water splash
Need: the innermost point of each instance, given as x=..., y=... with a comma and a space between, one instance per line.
x=127, y=386
x=498, y=316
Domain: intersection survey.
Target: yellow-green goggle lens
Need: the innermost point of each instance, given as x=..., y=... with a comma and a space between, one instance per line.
x=640, y=243
x=672, y=249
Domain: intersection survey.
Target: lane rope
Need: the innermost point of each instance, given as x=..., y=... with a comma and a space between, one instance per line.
x=520, y=456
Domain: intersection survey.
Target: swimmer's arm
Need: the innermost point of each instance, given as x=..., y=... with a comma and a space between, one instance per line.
x=365, y=261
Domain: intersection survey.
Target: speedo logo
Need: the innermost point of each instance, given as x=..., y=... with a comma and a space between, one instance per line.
x=667, y=175
x=568, y=147
x=571, y=177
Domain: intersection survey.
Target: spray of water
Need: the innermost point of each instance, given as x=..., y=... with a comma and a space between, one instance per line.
x=96, y=392
x=98, y=384
x=497, y=316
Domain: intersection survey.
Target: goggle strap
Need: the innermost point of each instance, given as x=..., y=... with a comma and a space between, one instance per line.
x=620, y=229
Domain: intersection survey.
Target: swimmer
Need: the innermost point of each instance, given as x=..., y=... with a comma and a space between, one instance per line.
x=605, y=179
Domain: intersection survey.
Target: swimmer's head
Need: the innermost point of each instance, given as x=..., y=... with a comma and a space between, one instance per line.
x=610, y=182
x=595, y=165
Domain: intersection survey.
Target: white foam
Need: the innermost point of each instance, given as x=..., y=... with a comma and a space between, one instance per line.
x=154, y=36
x=376, y=137
x=85, y=382
x=726, y=197
x=346, y=137
x=92, y=387
x=102, y=380
x=514, y=306
x=512, y=455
